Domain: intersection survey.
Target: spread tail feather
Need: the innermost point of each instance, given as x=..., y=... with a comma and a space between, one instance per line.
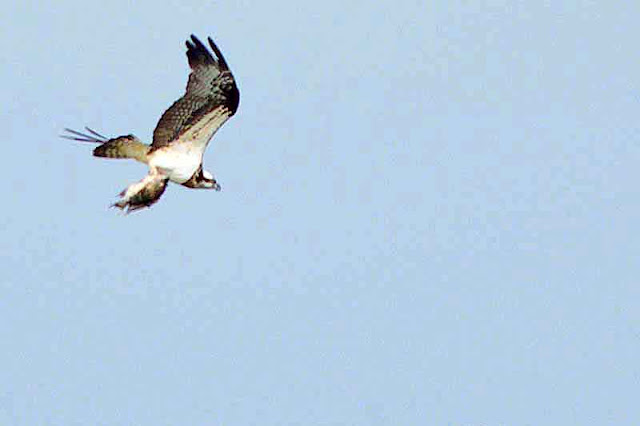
x=142, y=194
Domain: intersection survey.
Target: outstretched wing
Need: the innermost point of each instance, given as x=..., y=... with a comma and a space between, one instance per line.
x=211, y=98
x=127, y=146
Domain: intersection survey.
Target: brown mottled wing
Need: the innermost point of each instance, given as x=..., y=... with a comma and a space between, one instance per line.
x=127, y=146
x=211, y=95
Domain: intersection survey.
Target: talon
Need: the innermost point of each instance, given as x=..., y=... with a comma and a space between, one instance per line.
x=142, y=194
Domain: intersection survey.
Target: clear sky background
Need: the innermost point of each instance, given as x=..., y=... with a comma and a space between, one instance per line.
x=429, y=215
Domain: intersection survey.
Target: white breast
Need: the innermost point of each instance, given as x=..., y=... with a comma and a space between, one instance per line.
x=179, y=161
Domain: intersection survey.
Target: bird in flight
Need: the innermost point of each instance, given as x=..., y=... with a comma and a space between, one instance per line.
x=182, y=134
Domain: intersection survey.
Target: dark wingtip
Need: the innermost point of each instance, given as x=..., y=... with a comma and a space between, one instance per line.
x=191, y=41
x=74, y=135
x=196, y=41
x=221, y=60
x=94, y=133
x=197, y=52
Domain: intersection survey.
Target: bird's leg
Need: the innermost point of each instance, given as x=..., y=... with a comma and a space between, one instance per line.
x=142, y=194
x=127, y=195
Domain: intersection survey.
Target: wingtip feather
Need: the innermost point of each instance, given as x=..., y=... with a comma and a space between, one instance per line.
x=197, y=53
x=221, y=61
x=74, y=135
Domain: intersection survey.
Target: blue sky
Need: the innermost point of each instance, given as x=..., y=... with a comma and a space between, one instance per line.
x=428, y=215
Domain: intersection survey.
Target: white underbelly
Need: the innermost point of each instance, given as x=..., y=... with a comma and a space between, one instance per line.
x=178, y=165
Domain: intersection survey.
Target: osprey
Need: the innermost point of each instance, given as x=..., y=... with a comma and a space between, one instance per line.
x=182, y=134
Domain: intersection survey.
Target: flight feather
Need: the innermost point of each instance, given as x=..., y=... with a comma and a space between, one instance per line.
x=210, y=87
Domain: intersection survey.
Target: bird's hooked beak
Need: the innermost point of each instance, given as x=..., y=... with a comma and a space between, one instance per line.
x=210, y=181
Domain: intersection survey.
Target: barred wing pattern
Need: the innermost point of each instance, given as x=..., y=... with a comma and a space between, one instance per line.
x=126, y=146
x=211, y=95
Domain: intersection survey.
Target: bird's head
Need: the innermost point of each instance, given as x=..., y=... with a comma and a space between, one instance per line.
x=207, y=181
